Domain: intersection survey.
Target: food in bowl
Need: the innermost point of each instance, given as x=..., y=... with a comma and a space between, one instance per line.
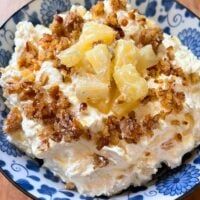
x=102, y=96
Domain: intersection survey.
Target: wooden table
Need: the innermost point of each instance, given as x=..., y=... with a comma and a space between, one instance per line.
x=7, y=7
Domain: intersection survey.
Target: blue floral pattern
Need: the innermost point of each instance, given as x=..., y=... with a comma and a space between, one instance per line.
x=191, y=38
x=49, y=175
x=24, y=184
x=167, y=4
x=42, y=183
x=197, y=160
x=179, y=181
x=33, y=165
x=6, y=146
x=151, y=9
x=4, y=57
x=139, y=2
x=137, y=197
x=50, y=7
x=50, y=191
x=22, y=14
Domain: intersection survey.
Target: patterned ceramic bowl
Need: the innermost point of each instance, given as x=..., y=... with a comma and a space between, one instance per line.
x=40, y=183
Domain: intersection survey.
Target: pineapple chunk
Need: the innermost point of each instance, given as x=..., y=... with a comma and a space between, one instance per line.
x=147, y=58
x=130, y=84
x=70, y=57
x=90, y=89
x=84, y=67
x=100, y=59
x=121, y=108
x=105, y=107
x=95, y=32
x=102, y=106
x=126, y=53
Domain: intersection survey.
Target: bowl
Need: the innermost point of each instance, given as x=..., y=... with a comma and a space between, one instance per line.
x=37, y=182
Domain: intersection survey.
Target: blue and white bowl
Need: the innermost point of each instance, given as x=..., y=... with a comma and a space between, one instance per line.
x=38, y=182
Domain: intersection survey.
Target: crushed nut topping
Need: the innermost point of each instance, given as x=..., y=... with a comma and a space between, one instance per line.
x=99, y=161
x=13, y=121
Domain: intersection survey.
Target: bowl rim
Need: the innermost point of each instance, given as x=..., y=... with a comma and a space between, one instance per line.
x=28, y=194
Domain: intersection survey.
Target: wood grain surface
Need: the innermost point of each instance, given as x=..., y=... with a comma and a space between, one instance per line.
x=7, y=8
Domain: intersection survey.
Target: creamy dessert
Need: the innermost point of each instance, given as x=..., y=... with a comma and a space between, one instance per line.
x=102, y=96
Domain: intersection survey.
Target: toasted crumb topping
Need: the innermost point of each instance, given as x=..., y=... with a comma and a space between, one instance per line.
x=99, y=161
x=44, y=145
x=13, y=121
x=69, y=27
x=153, y=36
x=170, y=53
x=73, y=24
x=124, y=22
x=44, y=79
x=118, y=4
x=142, y=21
x=171, y=143
x=52, y=109
x=98, y=9
x=151, y=122
x=178, y=137
x=165, y=66
x=29, y=57
x=168, y=145
x=52, y=44
x=57, y=26
x=83, y=107
x=112, y=20
x=131, y=129
x=175, y=122
x=132, y=14
x=172, y=100
x=101, y=141
x=194, y=78
x=152, y=96
x=70, y=186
